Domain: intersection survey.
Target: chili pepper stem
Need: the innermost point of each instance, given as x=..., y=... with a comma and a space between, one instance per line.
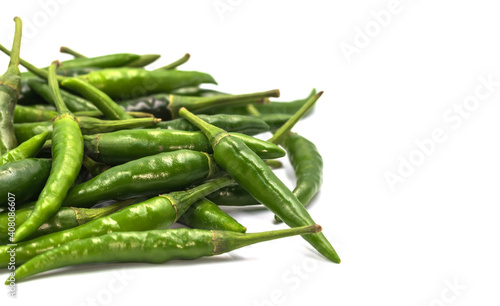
x=44, y=74
x=16, y=47
x=71, y=52
x=177, y=63
x=280, y=135
x=228, y=241
x=199, y=104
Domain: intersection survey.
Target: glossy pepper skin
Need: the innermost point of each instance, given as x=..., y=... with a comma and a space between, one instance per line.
x=258, y=179
x=123, y=83
x=166, y=106
x=152, y=246
x=145, y=176
x=248, y=125
x=156, y=213
x=10, y=83
x=88, y=125
x=67, y=154
x=127, y=145
x=25, y=178
x=27, y=149
x=65, y=218
x=205, y=214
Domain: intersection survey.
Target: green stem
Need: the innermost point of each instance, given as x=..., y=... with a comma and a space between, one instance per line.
x=56, y=93
x=228, y=241
x=283, y=131
x=16, y=45
x=177, y=63
x=252, y=110
x=71, y=52
x=199, y=104
x=44, y=74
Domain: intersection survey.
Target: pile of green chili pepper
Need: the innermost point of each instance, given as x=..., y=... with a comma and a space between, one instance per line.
x=99, y=156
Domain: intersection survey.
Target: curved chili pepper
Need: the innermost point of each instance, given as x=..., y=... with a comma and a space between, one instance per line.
x=205, y=214
x=156, y=213
x=126, y=145
x=142, y=61
x=152, y=246
x=103, y=61
x=65, y=218
x=308, y=166
x=88, y=125
x=73, y=102
x=67, y=154
x=123, y=83
x=254, y=175
x=10, y=84
x=249, y=125
x=25, y=178
x=27, y=149
x=145, y=176
x=167, y=106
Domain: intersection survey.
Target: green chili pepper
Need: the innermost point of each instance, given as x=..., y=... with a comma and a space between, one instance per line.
x=152, y=246
x=126, y=145
x=266, y=108
x=232, y=123
x=205, y=214
x=156, y=213
x=104, y=61
x=145, y=176
x=142, y=61
x=308, y=166
x=27, y=149
x=177, y=63
x=123, y=83
x=25, y=178
x=88, y=125
x=67, y=154
x=254, y=175
x=73, y=102
x=65, y=218
x=10, y=84
x=167, y=106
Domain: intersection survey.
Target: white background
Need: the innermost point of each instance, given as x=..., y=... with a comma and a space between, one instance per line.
x=403, y=247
